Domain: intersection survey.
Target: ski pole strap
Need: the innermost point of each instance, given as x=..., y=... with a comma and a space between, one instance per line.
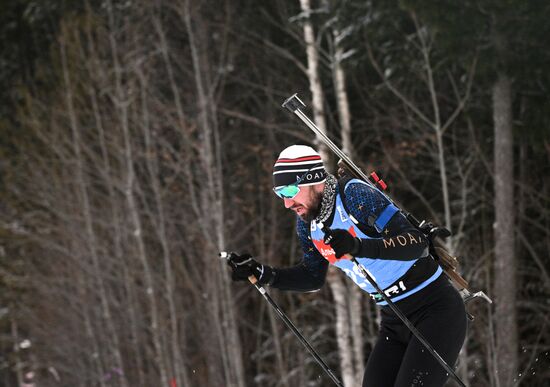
x=384, y=217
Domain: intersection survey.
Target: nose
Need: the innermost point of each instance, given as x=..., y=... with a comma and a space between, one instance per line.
x=288, y=202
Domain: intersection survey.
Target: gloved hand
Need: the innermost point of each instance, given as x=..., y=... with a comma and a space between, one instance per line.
x=342, y=242
x=243, y=266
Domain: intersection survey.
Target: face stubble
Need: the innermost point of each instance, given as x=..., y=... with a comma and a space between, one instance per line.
x=314, y=207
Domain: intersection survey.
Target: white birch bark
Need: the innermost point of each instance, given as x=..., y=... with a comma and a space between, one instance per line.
x=353, y=293
x=314, y=78
x=340, y=294
x=339, y=80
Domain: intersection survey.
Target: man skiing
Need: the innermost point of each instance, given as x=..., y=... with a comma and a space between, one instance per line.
x=336, y=219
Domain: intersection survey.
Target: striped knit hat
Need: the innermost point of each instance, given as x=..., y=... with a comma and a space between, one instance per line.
x=296, y=160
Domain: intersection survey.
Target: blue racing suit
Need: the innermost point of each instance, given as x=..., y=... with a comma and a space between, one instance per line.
x=394, y=252
x=396, y=255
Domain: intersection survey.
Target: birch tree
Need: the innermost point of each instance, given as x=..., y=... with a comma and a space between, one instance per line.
x=341, y=295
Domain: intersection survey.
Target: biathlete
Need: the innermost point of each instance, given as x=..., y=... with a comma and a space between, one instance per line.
x=368, y=226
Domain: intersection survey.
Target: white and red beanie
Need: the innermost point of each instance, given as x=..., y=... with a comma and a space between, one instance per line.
x=296, y=160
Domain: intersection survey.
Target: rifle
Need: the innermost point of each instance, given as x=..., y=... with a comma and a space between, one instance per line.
x=434, y=234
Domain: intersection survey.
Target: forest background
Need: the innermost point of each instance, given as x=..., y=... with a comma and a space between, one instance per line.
x=137, y=141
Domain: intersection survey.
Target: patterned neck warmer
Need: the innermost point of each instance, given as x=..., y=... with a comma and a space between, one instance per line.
x=327, y=203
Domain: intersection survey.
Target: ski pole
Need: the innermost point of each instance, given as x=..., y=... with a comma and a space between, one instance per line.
x=398, y=312
x=253, y=280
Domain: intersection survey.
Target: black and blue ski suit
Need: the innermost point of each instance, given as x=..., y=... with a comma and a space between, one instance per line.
x=396, y=255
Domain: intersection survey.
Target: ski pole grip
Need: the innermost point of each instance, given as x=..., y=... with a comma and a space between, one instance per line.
x=225, y=255
x=293, y=103
x=327, y=230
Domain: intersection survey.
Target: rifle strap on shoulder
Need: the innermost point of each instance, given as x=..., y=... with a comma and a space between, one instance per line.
x=376, y=222
x=365, y=229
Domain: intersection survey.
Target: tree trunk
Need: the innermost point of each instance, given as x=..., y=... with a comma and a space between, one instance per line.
x=224, y=312
x=339, y=290
x=317, y=95
x=355, y=295
x=505, y=262
x=352, y=293
x=87, y=214
x=116, y=231
x=121, y=103
x=178, y=369
x=339, y=79
x=343, y=337
x=18, y=364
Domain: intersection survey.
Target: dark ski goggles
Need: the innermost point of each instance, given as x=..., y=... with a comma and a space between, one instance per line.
x=290, y=191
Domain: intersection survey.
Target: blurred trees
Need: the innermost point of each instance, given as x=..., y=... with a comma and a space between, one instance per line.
x=138, y=139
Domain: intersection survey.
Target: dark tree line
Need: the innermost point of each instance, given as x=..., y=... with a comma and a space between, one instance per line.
x=137, y=141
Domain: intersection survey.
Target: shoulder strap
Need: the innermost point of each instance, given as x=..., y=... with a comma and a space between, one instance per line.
x=368, y=230
x=374, y=225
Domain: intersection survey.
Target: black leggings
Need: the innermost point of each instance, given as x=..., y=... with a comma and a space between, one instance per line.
x=399, y=359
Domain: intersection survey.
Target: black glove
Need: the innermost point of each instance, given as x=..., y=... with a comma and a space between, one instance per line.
x=243, y=266
x=342, y=242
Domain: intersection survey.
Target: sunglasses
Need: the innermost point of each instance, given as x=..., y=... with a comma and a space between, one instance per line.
x=290, y=191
